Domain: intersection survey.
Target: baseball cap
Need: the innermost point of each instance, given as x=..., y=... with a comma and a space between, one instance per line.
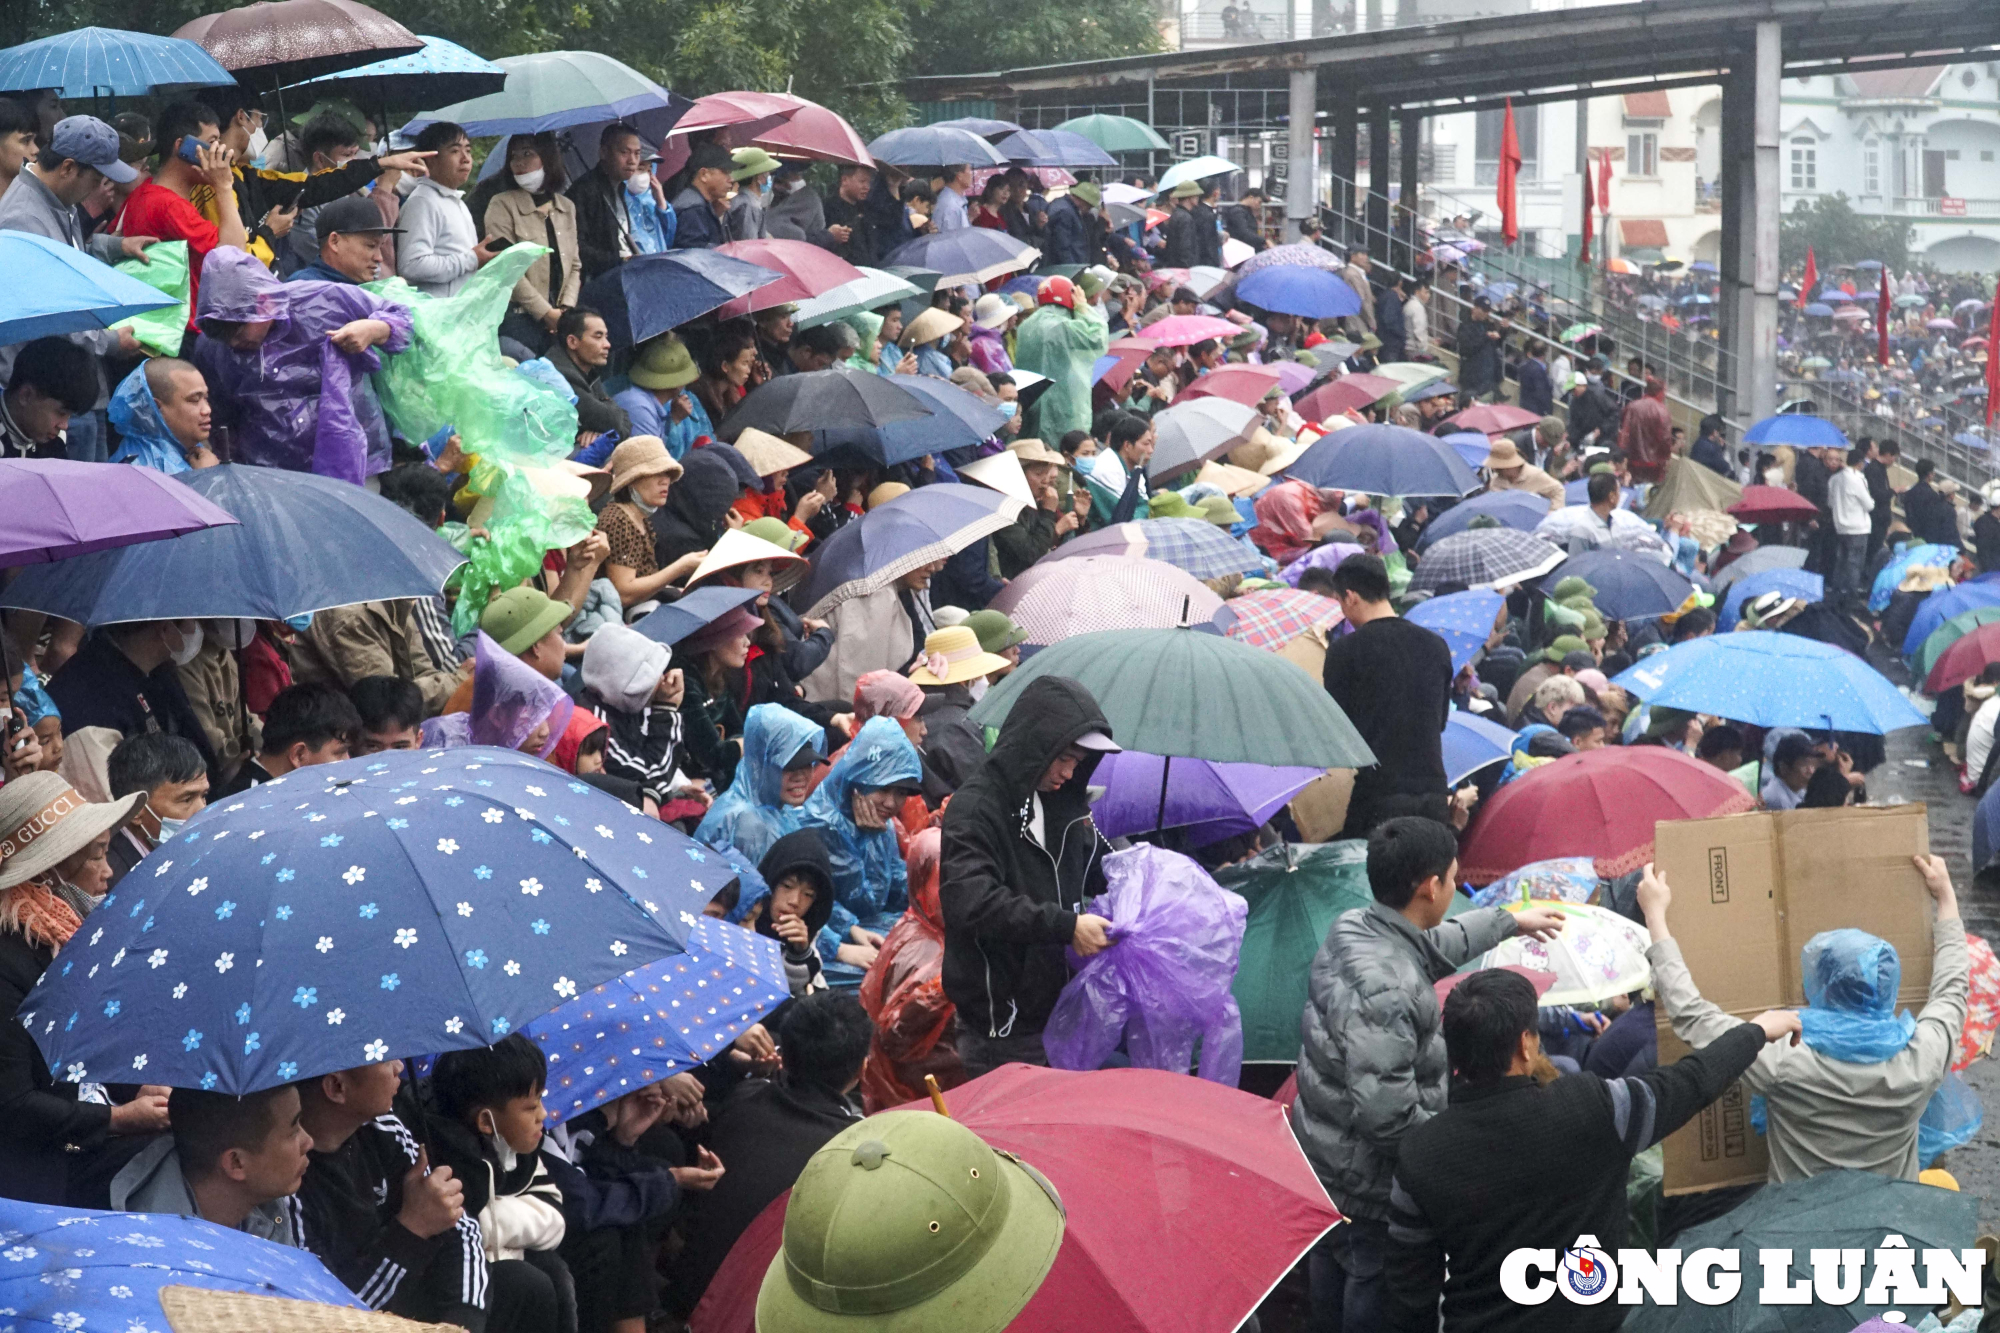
x=88, y=140
x=351, y=215
x=1098, y=741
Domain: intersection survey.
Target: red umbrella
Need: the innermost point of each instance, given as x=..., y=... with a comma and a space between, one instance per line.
x=1773, y=504
x=1247, y=385
x=752, y=112
x=1494, y=418
x=1601, y=804
x=271, y=45
x=809, y=271
x=1968, y=655
x=1186, y=1201
x=1130, y=353
x=1348, y=393
x=814, y=132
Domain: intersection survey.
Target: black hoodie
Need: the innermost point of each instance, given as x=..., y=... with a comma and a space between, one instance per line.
x=1010, y=904
x=694, y=516
x=801, y=851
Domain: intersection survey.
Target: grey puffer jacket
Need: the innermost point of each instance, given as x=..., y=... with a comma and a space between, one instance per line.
x=1372, y=1063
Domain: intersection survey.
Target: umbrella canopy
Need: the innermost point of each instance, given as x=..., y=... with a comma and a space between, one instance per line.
x=1630, y=586
x=54, y=288
x=1772, y=680
x=1059, y=599
x=1272, y=617
x=1464, y=620
x=676, y=1013
x=94, y=62
x=1186, y=330
x=553, y=90
x=359, y=548
x=1054, y=148
x=271, y=44
x=934, y=146
x=1791, y=582
x=1945, y=603
x=1410, y=374
x=1193, y=545
x=1891, y=574
x=1519, y=510
x=959, y=419
x=1598, y=955
x=811, y=132
x=1199, y=168
x=1945, y=635
x=1348, y=393
x=1315, y=293
x=1773, y=504
x=649, y=294
x=1475, y=449
x=1818, y=309
x=1117, y=134
x=58, y=509
x=804, y=271
x=822, y=400
x=929, y=524
x=967, y=255
x=408, y=902
x=441, y=69
x=1196, y=431
x=872, y=290
x=1194, y=1243
x=701, y=607
x=1601, y=804
x=1143, y=792
x=1471, y=743
x=1964, y=659
x=1494, y=418
x=1193, y=695
x=1485, y=558
x=1756, y=562
x=72, y=1268
x=1382, y=459
x=1835, y=1210
x=1245, y=384
x=1797, y=429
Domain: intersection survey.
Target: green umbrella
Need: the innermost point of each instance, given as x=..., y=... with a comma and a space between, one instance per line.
x=1833, y=1210
x=1577, y=331
x=1815, y=363
x=1187, y=694
x=1410, y=374
x=1295, y=893
x=1945, y=635
x=1116, y=134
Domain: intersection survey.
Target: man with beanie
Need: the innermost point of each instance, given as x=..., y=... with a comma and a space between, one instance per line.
x=698, y=209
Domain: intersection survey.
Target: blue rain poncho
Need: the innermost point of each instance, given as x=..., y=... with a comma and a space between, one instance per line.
x=870, y=884
x=145, y=439
x=752, y=815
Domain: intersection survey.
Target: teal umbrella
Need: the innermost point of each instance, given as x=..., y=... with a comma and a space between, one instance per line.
x=1295, y=893
x=1853, y=1210
x=1117, y=134
x=554, y=90
x=1195, y=695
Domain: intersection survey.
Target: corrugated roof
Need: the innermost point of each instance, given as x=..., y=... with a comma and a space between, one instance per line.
x=1886, y=83
x=1649, y=105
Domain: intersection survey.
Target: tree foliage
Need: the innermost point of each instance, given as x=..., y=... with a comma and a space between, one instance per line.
x=1839, y=235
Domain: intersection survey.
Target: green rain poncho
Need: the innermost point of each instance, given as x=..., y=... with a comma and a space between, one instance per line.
x=869, y=325
x=1063, y=345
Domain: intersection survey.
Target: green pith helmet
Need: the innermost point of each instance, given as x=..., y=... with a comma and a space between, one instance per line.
x=909, y=1223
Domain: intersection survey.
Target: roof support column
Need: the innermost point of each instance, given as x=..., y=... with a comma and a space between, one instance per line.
x=1750, y=214
x=1302, y=154
x=1411, y=127
x=1380, y=170
x=1345, y=155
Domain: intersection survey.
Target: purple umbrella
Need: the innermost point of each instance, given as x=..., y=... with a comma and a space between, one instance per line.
x=58, y=508
x=1214, y=801
x=1294, y=376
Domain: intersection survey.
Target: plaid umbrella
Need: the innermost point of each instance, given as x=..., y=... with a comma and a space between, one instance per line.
x=1273, y=618
x=1192, y=544
x=1060, y=598
x=1485, y=557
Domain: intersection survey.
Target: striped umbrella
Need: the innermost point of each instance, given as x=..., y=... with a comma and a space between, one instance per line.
x=1274, y=617
x=1058, y=599
x=1191, y=544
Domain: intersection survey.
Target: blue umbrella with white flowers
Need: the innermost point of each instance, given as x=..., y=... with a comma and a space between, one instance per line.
x=407, y=902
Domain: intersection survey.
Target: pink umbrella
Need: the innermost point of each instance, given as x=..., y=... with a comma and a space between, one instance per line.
x=809, y=271
x=1183, y=330
x=1059, y=599
x=1348, y=393
x=1248, y=385
x=1294, y=376
x=813, y=132
x=1126, y=354
x=754, y=112
x=1494, y=418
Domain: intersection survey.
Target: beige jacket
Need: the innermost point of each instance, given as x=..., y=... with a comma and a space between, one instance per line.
x=346, y=643
x=215, y=691
x=1825, y=1114
x=871, y=633
x=1534, y=481
x=514, y=215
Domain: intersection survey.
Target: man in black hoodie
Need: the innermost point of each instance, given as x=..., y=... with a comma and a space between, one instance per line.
x=798, y=907
x=1021, y=858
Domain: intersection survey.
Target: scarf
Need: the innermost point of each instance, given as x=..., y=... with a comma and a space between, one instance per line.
x=42, y=918
x=1285, y=515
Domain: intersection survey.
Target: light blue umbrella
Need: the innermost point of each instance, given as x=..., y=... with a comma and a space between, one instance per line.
x=441, y=69
x=935, y=146
x=1464, y=620
x=1315, y=293
x=554, y=90
x=1801, y=430
x=1791, y=582
x=1195, y=169
x=1769, y=679
x=1054, y=148
x=1471, y=743
x=1892, y=573
x=95, y=62
x=54, y=288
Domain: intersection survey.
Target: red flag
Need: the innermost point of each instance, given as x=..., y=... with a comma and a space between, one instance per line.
x=1589, y=223
x=1807, y=283
x=1604, y=181
x=1882, y=321
x=1992, y=365
x=1510, y=167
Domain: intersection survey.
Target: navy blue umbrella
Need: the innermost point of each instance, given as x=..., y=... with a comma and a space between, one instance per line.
x=1383, y=460
x=959, y=419
x=821, y=400
x=1630, y=586
x=300, y=543
x=1471, y=743
x=1295, y=290
x=409, y=902
x=674, y=621
x=441, y=71
x=1054, y=148
x=649, y=294
x=95, y=62
x=929, y=524
x=967, y=255
x=1791, y=582
x=935, y=146
x=1512, y=509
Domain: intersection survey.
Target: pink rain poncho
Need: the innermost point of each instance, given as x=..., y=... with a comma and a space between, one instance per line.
x=509, y=700
x=296, y=402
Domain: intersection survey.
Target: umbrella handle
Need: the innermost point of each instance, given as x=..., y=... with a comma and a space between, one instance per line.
x=937, y=1095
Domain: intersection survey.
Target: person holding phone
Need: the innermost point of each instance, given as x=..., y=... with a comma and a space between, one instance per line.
x=441, y=245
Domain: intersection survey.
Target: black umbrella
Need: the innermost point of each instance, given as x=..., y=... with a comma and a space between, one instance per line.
x=822, y=400
x=649, y=294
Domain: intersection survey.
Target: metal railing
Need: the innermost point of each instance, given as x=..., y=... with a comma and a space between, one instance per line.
x=1948, y=206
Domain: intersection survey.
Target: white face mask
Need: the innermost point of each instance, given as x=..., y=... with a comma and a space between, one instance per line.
x=169, y=827
x=976, y=687
x=190, y=632
x=503, y=1151
x=637, y=184
x=531, y=181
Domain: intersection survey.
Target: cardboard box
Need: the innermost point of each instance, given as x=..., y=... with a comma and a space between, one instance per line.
x=1749, y=891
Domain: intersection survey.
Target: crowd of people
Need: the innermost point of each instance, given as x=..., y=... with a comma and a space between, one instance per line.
x=929, y=879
